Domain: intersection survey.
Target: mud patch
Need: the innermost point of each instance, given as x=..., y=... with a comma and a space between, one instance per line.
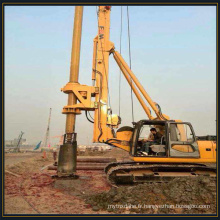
x=180, y=196
x=87, y=184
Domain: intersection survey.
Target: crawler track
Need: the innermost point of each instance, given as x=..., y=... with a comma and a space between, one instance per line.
x=131, y=172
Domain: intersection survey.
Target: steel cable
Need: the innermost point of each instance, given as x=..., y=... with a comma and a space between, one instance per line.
x=129, y=45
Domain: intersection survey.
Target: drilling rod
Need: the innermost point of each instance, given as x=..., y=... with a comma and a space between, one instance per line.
x=68, y=151
x=74, y=69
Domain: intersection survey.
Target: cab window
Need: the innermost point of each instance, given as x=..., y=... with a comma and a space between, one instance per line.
x=181, y=133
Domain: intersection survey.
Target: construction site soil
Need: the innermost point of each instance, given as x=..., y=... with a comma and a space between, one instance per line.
x=30, y=189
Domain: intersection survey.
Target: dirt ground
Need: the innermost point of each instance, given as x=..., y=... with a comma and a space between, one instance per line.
x=13, y=158
x=29, y=189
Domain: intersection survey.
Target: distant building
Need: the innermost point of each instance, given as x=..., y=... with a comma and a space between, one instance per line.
x=13, y=143
x=94, y=147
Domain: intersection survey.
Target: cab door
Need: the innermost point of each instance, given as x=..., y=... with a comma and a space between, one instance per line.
x=182, y=142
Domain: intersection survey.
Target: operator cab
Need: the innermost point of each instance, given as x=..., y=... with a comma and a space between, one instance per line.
x=163, y=139
x=151, y=140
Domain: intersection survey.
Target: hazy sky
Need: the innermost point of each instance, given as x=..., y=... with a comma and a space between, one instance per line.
x=173, y=52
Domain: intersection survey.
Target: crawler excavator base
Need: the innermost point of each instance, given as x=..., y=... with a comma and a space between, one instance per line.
x=133, y=173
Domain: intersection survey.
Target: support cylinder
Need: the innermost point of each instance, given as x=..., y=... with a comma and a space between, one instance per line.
x=146, y=109
x=138, y=84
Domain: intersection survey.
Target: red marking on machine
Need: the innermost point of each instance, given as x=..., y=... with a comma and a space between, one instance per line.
x=107, y=7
